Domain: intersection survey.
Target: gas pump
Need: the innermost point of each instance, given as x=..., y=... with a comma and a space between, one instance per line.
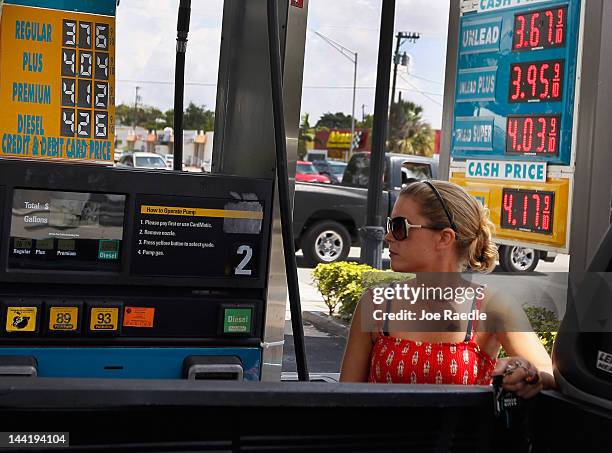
x=112, y=273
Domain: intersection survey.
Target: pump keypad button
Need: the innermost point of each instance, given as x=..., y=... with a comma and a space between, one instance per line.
x=104, y=319
x=22, y=319
x=64, y=319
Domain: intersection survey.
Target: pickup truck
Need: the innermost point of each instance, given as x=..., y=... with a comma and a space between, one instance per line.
x=327, y=217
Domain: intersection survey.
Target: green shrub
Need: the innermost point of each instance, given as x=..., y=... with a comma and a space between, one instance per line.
x=340, y=284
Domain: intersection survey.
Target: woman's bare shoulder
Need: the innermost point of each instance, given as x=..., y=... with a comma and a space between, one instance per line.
x=505, y=311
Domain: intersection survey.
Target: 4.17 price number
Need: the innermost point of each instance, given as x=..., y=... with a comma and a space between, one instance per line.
x=527, y=210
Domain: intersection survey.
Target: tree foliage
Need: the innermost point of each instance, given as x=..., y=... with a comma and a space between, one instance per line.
x=336, y=120
x=408, y=133
x=195, y=117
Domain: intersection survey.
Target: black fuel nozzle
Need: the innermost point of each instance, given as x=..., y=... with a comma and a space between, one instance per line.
x=506, y=404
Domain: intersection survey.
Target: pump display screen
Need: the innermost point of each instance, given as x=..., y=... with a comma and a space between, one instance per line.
x=66, y=230
x=544, y=29
x=533, y=134
x=528, y=210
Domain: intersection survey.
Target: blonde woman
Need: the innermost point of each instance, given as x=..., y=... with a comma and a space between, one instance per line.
x=437, y=229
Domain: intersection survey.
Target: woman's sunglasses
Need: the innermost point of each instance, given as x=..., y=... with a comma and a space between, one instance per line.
x=400, y=226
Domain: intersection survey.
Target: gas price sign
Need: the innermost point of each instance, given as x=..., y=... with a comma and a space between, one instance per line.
x=514, y=113
x=57, y=79
x=517, y=75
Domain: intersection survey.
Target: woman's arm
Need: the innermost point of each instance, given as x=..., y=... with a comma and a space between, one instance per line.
x=356, y=361
x=527, y=358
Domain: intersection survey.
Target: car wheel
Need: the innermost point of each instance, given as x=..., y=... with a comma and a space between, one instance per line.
x=326, y=242
x=518, y=259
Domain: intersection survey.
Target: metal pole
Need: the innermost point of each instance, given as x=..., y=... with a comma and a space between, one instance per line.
x=280, y=138
x=136, y=109
x=182, y=31
x=372, y=234
x=352, y=146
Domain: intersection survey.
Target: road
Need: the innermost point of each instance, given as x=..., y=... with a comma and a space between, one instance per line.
x=545, y=287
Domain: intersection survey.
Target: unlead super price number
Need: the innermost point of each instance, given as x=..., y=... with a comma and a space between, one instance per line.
x=544, y=29
x=528, y=210
x=533, y=134
x=540, y=81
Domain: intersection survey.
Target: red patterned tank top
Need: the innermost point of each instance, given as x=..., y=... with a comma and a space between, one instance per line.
x=402, y=361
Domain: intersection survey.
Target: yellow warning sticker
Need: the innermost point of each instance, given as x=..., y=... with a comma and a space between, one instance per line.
x=21, y=319
x=64, y=319
x=104, y=319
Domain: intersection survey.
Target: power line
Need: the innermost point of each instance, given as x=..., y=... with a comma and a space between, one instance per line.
x=426, y=79
x=163, y=82
x=308, y=87
x=423, y=93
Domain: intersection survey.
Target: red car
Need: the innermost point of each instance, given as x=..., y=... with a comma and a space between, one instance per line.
x=306, y=172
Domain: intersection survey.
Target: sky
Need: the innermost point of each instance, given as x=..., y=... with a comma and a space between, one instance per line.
x=145, y=54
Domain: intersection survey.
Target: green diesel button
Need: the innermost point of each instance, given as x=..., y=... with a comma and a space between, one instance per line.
x=237, y=320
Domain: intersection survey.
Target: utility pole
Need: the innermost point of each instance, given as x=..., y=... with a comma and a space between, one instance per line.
x=401, y=58
x=136, y=99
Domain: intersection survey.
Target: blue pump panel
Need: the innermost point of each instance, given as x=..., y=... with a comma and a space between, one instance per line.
x=516, y=81
x=129, y=363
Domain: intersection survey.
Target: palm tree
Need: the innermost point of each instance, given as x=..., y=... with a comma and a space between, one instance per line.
x=408, y=133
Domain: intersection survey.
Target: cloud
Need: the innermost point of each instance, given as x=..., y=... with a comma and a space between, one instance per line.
x=146, y=36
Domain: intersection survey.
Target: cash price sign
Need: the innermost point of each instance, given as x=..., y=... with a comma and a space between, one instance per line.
x=57, y=79
x=512, y=143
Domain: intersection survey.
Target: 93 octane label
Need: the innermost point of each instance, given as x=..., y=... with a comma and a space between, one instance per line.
x=104, y=319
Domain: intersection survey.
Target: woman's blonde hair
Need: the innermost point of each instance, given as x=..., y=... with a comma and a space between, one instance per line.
x=474, y=230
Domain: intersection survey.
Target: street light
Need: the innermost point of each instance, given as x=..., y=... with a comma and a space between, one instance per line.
x=352, y=57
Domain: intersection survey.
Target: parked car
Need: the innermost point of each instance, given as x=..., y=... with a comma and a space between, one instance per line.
x=143, y=161
x=333, y=169
x=307, y=172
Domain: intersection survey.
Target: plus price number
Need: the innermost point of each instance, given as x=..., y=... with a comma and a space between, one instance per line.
x=533, y=134
x=540, y=81
x=528, y=210
x=544, y=29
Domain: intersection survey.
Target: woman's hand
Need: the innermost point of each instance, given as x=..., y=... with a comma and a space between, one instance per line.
x=520, y=376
